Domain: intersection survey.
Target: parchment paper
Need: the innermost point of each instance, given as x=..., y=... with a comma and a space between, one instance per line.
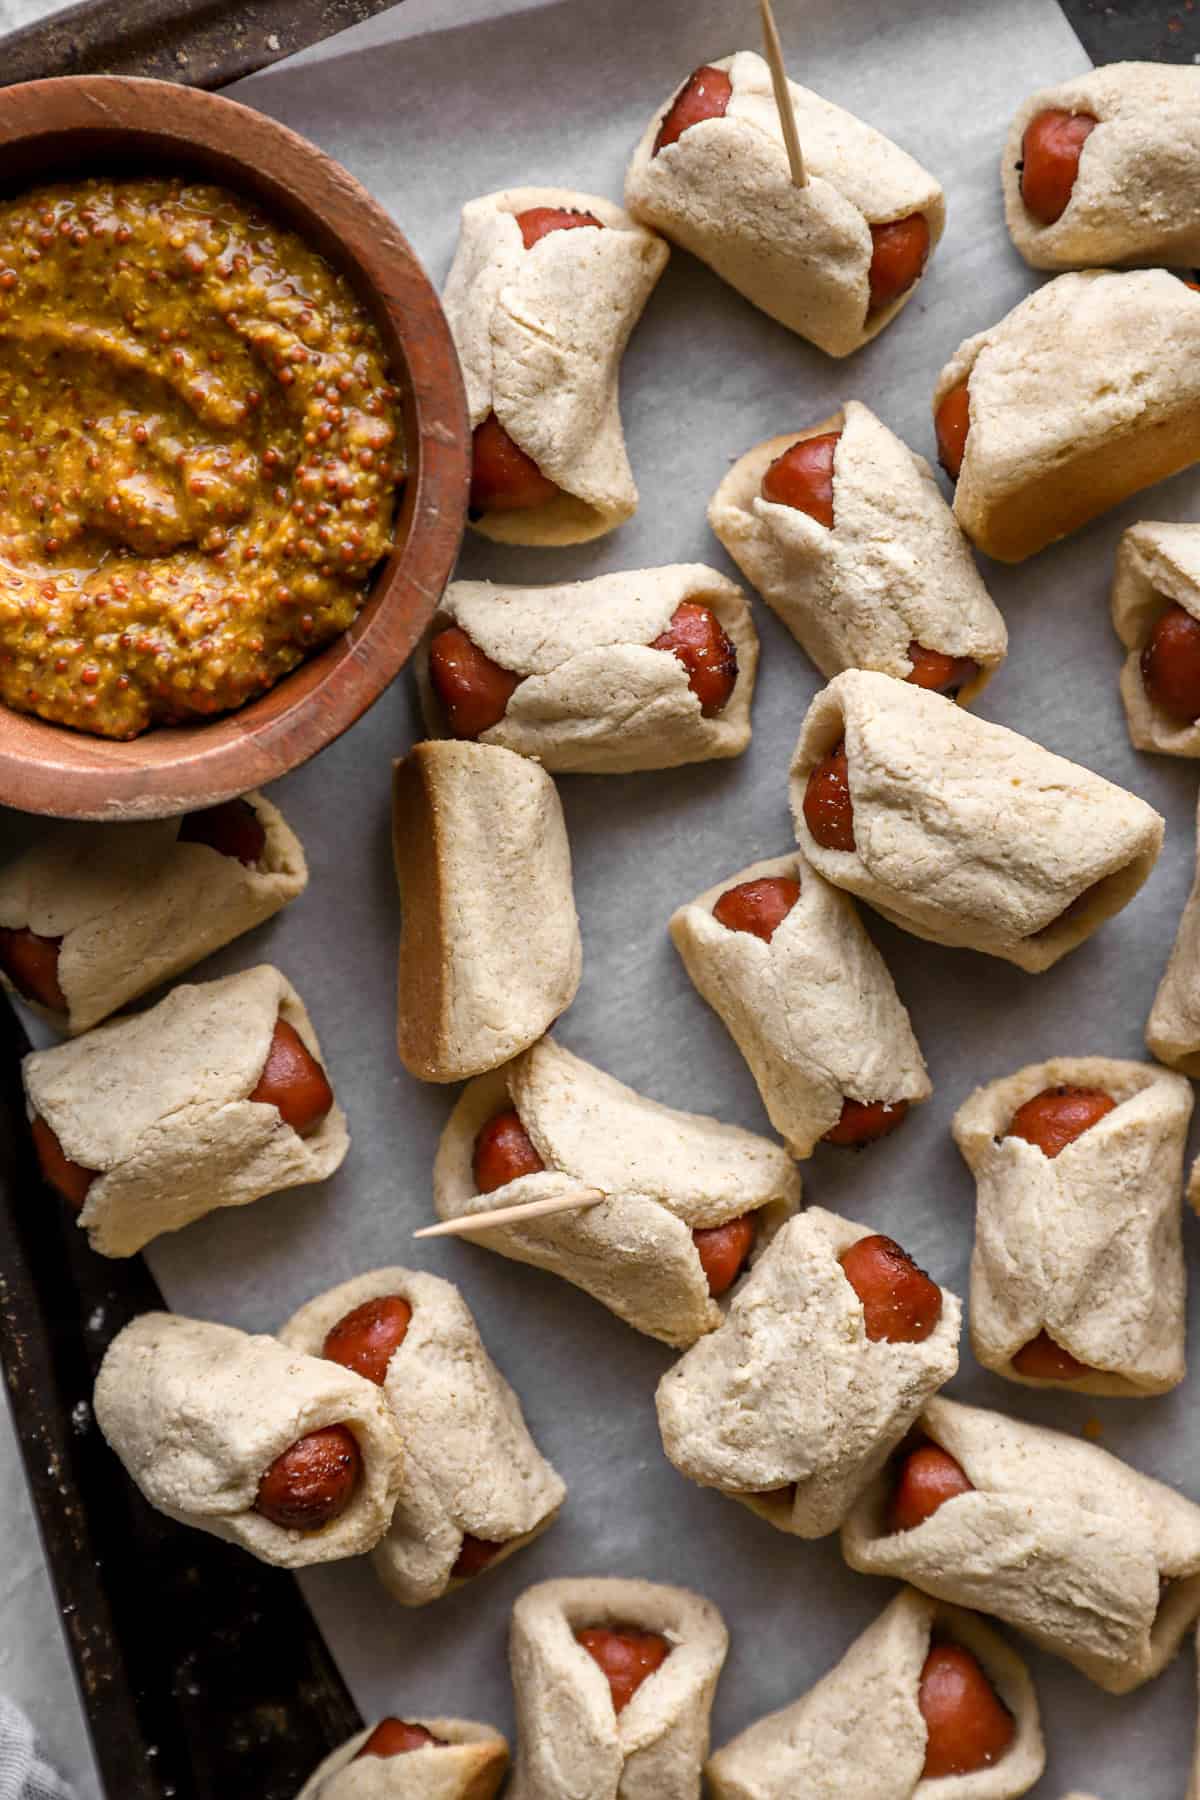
x=428, y=118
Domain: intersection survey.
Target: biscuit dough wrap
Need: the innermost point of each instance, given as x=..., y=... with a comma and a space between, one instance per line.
x=1085, y=393
x=724, y=191
x=469, y=1763
x=1173, y=1028
x=1095, y=1562
x=1085, y=1245
x=789, y=1406
x=572, y=1744
x=860, y=1730
x=198, y=1413
x=159, y=1106
x=471, y=1468
x=594, y=694
x=663, y=1174
x=133, y=905
x=540, y=334
x=489, y=939
x=814, y=1011
x=967, y=833
x=1136, y=196
x=1157, y=566
x=893, y=570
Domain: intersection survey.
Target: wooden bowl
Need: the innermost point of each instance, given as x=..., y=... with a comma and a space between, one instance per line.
x=51, y=130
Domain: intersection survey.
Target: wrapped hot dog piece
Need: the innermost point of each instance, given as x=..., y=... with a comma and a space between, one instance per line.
x=812, y=1009
x=860, y=1730
x=1173, y=1028
x=723, y=190
x=1085, y=393
x=1156, y=612
x=199, y=1414
x=594, y=691
x=413, y=1759
x=665, y=1177
x=540, y=329
x=130, y=906
x=1095, y=1562
x=158, y=1113
x=964, y=832
x=1083, y=1245
x=472, y=1471
x=793, y=1404
x=891, y=572
x=484, y=868
x=580, y=1733
x=1134, y=199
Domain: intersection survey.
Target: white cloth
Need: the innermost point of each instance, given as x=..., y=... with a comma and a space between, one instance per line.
x=23, y=1774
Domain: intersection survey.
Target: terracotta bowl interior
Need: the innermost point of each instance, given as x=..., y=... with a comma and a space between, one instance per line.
x=46, y=768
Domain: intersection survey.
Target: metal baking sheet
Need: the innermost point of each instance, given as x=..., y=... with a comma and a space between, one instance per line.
x=430, y=106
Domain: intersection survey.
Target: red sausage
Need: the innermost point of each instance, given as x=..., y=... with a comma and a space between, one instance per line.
x=952, y=422
x=392, y=1737
x=927, y=1478
x=722, y=1250
x=474, y=1555
x=1171, y=665
x=368, y=1337
x=1043, y=1360
x=941, y=673
x=626, y=1656
x=759, y=906
x=865, y=1122
x=967, y=1724
x=294, y=1081
x=313, y=1481
x=803, y=477
x=1050, y=153
x=828, y=808
x=901, y=1305
x=704, y=95
x=503, y=478
x=233, y=829
x=1057, y=1116
x=538, y=222
x=503, y=1153
x=900, y=250
x=31, y=964
x=696, y=638
x=70, y=1179
x=473, y=690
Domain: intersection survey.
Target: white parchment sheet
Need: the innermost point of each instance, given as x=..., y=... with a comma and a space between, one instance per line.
x=428, y=118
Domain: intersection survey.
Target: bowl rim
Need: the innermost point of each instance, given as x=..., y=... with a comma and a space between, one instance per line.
x=51, y=769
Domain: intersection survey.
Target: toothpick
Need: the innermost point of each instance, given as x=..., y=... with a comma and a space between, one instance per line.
x=783, y=94
x=512, y=1215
